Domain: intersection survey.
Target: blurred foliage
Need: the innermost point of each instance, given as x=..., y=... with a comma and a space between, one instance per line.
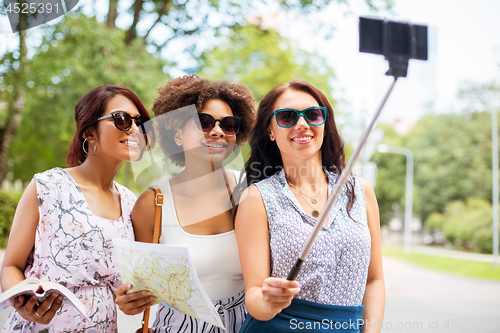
x=263, y=59
x=318, y=4
x=78, y=55
x=452, y=156
x=466, y=224
x=8, y=204
x=190, y=20
x=452, y=159
x=391, y=175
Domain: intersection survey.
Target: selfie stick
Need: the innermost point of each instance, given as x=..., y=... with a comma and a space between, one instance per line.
x=342, y=180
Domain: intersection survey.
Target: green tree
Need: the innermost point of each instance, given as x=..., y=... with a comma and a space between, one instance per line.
x=16, y=69
x=391, y=173
x=452, y=156
x=63, y=71
x=262, y=59
x=8, y=204
x=466, y=224
x=452, y=159
x=154, y=24
x=190, y=18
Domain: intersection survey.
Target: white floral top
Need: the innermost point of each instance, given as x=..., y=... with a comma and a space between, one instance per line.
x=336, y=268
x=73, y=247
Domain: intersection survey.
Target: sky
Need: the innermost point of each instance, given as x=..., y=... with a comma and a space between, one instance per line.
x=464, y=45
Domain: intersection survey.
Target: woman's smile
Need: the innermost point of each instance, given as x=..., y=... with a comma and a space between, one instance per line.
x=302, y=139
x=215, y=146
x=131, y=143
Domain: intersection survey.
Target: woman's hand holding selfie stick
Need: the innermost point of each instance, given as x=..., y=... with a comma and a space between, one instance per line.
x=342, y=180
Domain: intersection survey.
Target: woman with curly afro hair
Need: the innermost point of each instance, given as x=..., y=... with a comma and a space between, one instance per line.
x=199, y=123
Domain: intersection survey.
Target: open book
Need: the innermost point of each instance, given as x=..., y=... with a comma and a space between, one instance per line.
x=167, y=273
x=42, y=290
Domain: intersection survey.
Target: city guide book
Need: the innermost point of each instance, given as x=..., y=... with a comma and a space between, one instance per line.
x=168, y=274
x=42, y=290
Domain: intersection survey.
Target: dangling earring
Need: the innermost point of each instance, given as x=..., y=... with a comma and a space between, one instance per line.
x=83, y=146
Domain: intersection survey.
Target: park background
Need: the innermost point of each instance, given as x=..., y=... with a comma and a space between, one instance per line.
x=442, y=112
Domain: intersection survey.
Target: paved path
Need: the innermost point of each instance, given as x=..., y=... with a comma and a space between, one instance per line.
x=424, y=300
x=418, y=300
x=442, y=252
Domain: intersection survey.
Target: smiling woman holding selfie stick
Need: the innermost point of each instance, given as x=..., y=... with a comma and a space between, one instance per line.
x=66, y=218
x=297, y=156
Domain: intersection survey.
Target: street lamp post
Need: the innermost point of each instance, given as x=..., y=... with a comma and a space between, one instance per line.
x=494, y=153
x=409, y=189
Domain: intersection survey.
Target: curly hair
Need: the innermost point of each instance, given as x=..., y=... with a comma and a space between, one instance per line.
x=193, y=90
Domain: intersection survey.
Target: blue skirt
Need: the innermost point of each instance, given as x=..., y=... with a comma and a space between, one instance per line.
x=308, y=316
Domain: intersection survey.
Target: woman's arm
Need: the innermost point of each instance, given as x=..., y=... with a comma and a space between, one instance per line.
x=21, y=238
x=143, y=217
x=21, y=242
x=374, y=299
x=143, y=221
x=265, y=296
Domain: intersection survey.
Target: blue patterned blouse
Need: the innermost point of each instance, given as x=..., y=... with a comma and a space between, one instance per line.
x=336, y=269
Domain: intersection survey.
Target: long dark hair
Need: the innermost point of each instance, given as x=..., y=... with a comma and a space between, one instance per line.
x=89, y=108
x=265, y=159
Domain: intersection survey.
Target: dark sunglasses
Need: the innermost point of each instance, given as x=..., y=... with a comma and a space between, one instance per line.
x=123, y=121
x=205, y=123
x=314, y=116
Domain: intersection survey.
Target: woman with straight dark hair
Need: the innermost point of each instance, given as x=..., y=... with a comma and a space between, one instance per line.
x=297, y=156
x=65, y=220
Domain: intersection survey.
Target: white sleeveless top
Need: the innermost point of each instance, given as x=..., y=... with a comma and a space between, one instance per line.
x=215, y=257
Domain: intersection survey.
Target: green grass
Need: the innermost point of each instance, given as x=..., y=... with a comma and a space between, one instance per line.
x=478, y=269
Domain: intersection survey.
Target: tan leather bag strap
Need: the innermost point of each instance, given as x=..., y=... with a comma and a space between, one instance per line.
x=159, y=205
x=156, y=236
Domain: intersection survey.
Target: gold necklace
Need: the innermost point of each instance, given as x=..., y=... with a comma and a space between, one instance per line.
x=313, y=200
x=315, y=212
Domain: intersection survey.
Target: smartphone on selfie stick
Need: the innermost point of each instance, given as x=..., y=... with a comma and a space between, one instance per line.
x=398, y=42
